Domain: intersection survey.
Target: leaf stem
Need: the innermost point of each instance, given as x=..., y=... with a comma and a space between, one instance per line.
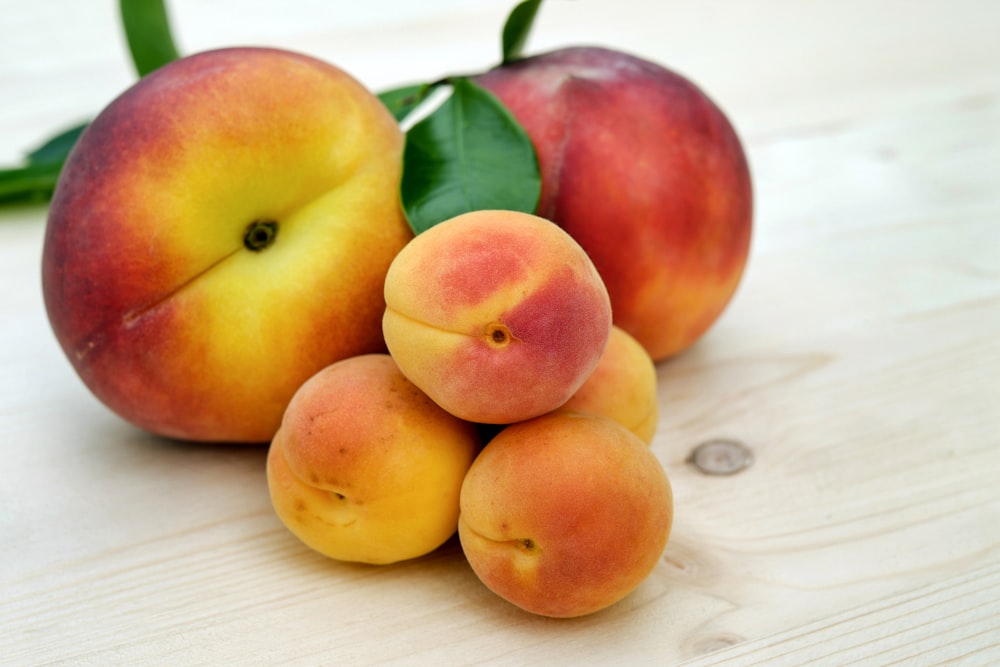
x=517, y=29
x=147, y=30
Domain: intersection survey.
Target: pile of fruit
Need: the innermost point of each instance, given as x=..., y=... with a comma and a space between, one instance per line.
x=227, y=259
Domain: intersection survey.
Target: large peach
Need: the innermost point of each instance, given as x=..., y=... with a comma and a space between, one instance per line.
x=219, y=234
x=565, y=514
x=647, y=174
x=622, y=387
x=499, y=316
x=365, y=467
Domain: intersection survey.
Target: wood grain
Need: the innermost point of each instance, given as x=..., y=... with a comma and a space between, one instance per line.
x=860, y=361
x=951, y=622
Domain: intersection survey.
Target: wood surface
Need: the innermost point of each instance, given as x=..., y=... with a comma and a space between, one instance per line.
x=859, y=361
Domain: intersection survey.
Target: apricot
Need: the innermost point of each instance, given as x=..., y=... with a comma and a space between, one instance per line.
x=647, y=173
x=565, y=514
x=365, y=467
x=498, y=316
x=622, y=387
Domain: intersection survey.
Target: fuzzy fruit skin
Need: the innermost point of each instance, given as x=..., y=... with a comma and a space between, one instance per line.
x=165, y=314
x=565, y=514
x=365, y=467
x=622, y=387
x=647, y=174
x=462, y=281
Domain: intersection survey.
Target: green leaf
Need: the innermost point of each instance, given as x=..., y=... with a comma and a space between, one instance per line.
x=147, y=30
x=469, y=154
x=33, y=183
x=57, y=148
x=36, y=179
x=517, y=28
x=402, y=101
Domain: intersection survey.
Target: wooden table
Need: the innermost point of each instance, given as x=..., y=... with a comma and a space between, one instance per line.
x=860, y=362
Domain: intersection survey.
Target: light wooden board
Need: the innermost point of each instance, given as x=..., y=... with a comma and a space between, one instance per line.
x=860, y=361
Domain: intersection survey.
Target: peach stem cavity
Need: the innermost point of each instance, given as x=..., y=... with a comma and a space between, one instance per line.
x=260, y=234
x=498, y=335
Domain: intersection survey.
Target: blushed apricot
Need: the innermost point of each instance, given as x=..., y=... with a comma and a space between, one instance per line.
x=365, y=467
x=498, y=316
x=565, y=514
x=622, y=387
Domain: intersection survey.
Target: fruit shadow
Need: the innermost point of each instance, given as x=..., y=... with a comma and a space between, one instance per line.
x=181, y=457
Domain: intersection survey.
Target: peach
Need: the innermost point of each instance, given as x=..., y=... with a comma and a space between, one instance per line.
x=365, y=467
x=622, y=387
x=220, y=233
x=498, y=316
x=565, y=514
x=647, y=174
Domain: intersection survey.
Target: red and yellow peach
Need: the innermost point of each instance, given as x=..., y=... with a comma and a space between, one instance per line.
x=647, y=174
x=220, y=233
